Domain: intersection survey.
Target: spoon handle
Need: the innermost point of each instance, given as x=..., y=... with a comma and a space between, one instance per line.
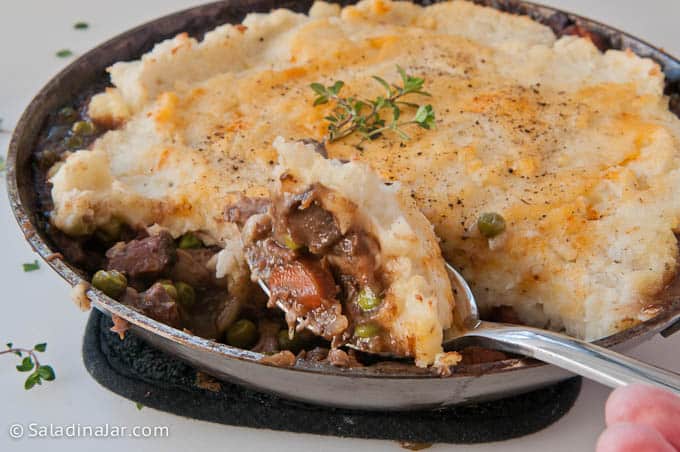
x=591, y=361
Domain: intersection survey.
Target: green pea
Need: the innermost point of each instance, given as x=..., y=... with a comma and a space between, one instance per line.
x=242, y=334
x=110, y=232
x=73, y=141
x=368, y=300
x=83, y=128
x=366, y=330
x=112, y=283
x=290, y=243
x=189, y=241
x=186, y=296
x=169, y=288
x=67, y=114
x=490, y=224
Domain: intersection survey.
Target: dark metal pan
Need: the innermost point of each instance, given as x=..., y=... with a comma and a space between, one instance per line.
x=383, y=386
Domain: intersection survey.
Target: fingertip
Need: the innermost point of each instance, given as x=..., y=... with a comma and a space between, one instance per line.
x=632, y=402
x=632, y=438
x=646, y=405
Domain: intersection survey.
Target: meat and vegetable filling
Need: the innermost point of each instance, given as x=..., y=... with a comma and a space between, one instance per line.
x=172, y=281
x=326, y=280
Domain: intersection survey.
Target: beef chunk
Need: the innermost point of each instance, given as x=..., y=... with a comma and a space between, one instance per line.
x=145, y=258
x=355, y=255
x=264, y=255
x=191, y=267
x=160, y=305
x=302, y=219
x=246, y=207
x=155, y=303
x=313, y=227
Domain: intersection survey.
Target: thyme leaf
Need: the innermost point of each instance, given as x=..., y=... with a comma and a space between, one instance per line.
x=64, y=53
x=31, y=266
x=365, y=116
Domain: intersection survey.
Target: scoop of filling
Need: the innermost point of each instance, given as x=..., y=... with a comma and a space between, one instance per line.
x=326, y=280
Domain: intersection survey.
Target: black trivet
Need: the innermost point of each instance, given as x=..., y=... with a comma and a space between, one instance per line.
x=137, y=371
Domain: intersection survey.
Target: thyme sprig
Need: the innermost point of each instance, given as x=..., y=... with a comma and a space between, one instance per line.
x=29, y=361
x=364, y=116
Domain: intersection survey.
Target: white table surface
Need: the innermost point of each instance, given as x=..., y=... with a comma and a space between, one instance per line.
x=36, y=306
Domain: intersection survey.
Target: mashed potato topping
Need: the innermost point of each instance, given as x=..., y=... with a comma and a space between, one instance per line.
x=575, y=148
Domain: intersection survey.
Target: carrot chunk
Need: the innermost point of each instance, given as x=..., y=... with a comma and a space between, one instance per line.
x=304, y=280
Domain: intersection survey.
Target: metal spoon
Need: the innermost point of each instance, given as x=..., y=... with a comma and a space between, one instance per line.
x=580, y=357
